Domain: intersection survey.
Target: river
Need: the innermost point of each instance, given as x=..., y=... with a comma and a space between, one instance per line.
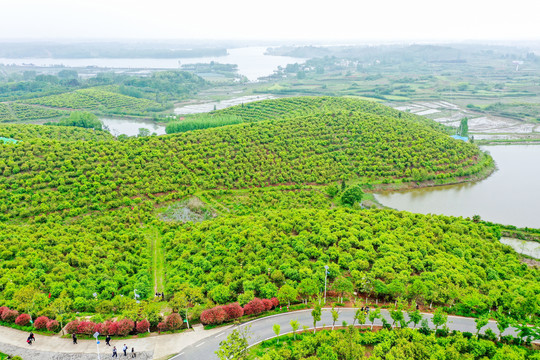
x=511, y=195
x=251, y=62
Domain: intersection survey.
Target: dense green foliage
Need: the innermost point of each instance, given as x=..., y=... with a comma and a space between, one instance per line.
x=97, y=99
x=51, y=96
x=387, y=254
x=244, y=202
x=11, y=112
x=202, y=122
x=387, y=345
x=299, y=106
x=60, y=133
x=81, y=119
x=74, y=261
x=79, y=217
x=319, y=148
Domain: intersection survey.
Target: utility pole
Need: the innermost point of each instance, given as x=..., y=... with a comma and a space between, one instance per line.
x=325, y=276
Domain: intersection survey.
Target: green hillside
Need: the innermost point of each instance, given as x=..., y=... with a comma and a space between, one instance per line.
x=61, y=133
x=80, y=213
x=317, y=148
x=292, y=107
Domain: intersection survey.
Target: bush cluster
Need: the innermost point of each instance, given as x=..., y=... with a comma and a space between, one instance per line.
x=120, y=328
x=221, y=314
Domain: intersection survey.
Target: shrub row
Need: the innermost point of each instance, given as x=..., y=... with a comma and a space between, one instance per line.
x=121, y=328
x=172, y=322
x=41, y=323
x=221, y=314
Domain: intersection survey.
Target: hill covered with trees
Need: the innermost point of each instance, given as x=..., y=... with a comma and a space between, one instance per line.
x=79, y=213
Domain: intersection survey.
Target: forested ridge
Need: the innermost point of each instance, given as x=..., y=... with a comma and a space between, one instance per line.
x=76, y=206
x=320, y=148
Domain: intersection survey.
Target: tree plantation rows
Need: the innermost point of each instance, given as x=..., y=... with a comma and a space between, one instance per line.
x=97, y=99
x=12, y=112
x=69, y=179
x=30, y=133
x=80, y=229
x=383, y=254
x=34, y=96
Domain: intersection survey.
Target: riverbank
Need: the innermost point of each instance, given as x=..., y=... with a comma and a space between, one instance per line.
x=483, y=174
x=508, y=196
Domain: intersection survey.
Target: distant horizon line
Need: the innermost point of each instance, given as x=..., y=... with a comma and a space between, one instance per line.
x=300, y=41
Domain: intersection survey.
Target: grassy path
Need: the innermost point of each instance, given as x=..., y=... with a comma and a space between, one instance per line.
x=158, y=259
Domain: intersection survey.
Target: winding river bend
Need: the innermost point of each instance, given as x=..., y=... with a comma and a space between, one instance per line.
x=511, y=195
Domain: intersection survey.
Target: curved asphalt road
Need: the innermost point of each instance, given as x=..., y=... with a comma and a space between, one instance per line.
x=261, y=329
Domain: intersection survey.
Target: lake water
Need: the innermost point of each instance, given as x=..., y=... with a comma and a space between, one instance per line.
x=130, y=127
x=511, y=195
x=530, y=248
x=209, y=106
x=251, y=62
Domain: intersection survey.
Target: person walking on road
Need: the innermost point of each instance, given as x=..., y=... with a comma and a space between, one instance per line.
x=31, y=338
x=108, y=340
x=133, y=354
x=114, y=353
x=125, y=350
x=74, y=337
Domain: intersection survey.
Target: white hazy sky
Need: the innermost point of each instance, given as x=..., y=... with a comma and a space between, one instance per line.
x=271, y=19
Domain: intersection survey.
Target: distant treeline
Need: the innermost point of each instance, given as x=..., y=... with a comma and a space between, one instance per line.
x=103, y=50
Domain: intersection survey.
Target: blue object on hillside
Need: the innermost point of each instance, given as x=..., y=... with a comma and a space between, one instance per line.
x=462, y=138
x=8, y=141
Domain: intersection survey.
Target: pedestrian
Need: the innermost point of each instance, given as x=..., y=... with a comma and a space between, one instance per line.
x=417, y=307
x=125, y=349
x=114, y=353
x=133, y=354
x=74, y=336
x=31, y=338
x=108, y=340
x=362, y=309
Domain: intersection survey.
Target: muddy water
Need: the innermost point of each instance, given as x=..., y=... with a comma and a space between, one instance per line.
x=530, y=248
x=130, y=127
x=511, y=195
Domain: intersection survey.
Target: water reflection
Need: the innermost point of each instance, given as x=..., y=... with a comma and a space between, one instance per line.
x=130, y=127
x=511, y=195
x=529, y=248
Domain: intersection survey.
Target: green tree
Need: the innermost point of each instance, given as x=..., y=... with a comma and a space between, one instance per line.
x=25, y=298
x=503, y=322
x=276, y=329
x=415, y=317
x=335, y=317
x=316, y=314
x=143, y=132
x=439, y=318
x=464, y=127
x=308, y=288
x=480, y=323
x=185, y=299
x=397, y=316
x=359, y=316
x=294, y=325
x=342, y=285
x=373, y=315
x=287, y=294
x=352, y=195
x=246, y=297
x=235, y=347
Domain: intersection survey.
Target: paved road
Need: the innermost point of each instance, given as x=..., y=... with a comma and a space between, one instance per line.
x=261, y=329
